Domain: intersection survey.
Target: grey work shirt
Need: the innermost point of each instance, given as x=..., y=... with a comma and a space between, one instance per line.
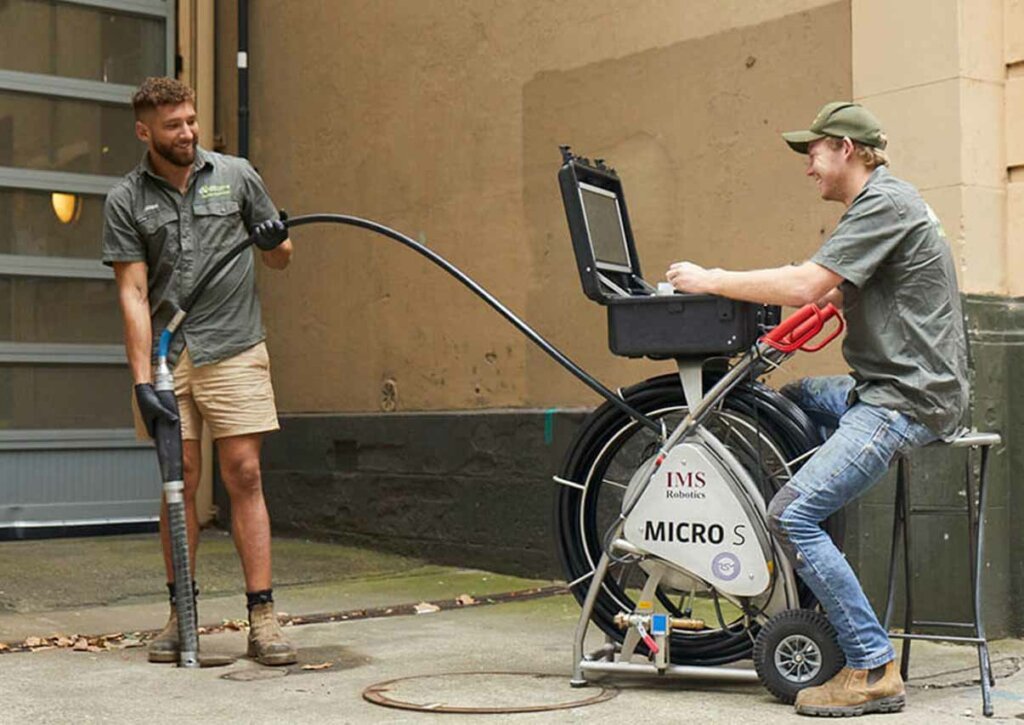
x=180, y=236
x=905, y=337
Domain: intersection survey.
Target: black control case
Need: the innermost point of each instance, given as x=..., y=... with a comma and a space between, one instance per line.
x=642, y=324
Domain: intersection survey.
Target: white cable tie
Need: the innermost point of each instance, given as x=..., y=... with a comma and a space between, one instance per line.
x=243, y=59
x=570, y=484
x=583, y=578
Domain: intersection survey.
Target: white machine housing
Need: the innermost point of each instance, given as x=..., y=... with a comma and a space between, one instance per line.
x=698, y=515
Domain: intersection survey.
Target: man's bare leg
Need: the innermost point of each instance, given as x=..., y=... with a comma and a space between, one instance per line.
x=250, y=526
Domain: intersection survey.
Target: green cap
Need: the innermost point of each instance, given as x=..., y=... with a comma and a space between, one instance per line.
x=839, y=119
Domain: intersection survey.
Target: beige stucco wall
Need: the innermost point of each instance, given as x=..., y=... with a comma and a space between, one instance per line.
x=1013, y=56
x=934, y=70
x=442, y=119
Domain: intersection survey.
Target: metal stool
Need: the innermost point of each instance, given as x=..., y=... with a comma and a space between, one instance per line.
x=976, y=540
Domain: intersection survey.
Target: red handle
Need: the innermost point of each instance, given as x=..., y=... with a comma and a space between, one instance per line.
x=801, y=327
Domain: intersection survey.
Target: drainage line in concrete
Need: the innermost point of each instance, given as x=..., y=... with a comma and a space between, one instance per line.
x=402, y=610
x=397, y=610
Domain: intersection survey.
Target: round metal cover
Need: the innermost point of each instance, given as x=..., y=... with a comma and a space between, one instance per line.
x=254, y=674
x=484, y=693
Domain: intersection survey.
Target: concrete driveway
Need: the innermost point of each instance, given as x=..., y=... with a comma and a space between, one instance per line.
x=376, y=637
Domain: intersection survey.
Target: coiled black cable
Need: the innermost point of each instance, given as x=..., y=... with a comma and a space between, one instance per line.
x=578, y=532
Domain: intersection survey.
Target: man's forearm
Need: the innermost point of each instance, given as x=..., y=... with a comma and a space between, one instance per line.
x=776, y=286
x=280, y=256
x=138, y=332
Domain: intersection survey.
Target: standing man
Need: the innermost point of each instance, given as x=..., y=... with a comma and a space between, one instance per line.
x=889, y=265
x=165, y=224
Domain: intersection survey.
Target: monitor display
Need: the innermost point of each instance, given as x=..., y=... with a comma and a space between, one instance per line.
x=604, y=227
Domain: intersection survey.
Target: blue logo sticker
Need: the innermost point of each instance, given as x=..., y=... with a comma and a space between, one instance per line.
x=726, y=566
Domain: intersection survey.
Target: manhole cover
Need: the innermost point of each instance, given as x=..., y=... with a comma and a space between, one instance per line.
x=253, y=674
x=484, y=692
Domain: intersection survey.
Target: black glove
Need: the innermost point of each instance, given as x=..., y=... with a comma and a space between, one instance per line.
x=269, y=234
x=151, y=409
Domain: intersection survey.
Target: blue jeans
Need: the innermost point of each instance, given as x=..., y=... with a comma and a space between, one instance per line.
x=852, y=460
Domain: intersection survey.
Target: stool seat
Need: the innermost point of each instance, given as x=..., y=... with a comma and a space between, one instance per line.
x=972, y=440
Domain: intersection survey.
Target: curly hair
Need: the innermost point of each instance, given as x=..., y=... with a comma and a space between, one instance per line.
x=871, y=156
x=161, y=91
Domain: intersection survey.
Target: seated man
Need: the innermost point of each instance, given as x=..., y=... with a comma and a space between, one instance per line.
x=889, y=265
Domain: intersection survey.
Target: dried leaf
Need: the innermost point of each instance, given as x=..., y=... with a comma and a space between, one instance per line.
x=464, y=600
x=33, y=642
x=3, y=647
x=321, y=666
x=63, y=641
x=93, y=648
x=80, y=645
x=426, y=608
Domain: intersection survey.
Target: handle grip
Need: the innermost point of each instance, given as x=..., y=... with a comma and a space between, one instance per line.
x=168, y=440
x=801, y=327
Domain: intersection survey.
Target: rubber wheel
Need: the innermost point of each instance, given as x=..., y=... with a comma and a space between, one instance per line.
x=796, y=649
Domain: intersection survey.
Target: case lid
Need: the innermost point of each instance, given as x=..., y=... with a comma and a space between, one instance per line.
x=602, y=237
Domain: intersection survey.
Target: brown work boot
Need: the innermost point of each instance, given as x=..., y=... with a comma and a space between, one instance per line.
x=165, y=647
x=267, y=643
x=855, y=692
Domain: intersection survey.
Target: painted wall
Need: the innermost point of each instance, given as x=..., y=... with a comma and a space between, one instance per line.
x=442, y=119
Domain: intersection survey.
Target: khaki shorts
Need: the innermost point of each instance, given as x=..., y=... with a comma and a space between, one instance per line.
x=234, y=396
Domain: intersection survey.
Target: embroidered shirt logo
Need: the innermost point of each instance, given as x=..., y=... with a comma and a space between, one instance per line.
x=211, y=191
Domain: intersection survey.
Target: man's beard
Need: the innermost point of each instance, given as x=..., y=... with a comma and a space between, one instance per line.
x=175, y=154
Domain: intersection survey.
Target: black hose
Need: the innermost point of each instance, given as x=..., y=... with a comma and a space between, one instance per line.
x=491, y=300
x=451, y=269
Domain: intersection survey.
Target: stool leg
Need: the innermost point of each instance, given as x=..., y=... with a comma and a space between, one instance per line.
x=903, y=481
x=976, y=535
x=897, y=533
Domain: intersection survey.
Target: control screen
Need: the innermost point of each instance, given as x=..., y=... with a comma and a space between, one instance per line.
x=604, y=227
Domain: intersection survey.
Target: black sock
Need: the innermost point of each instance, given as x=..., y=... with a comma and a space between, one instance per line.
x=264, y=596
